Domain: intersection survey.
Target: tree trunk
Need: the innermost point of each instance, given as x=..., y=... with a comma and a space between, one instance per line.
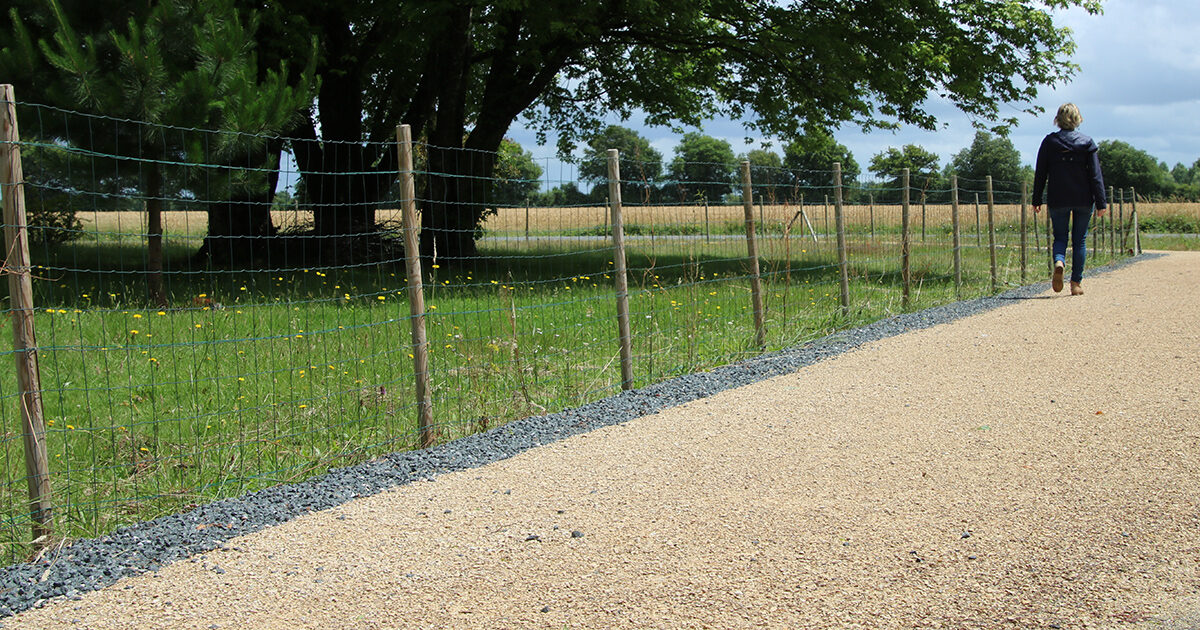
x=154, y=235
x=238, y=228
x=458, y=189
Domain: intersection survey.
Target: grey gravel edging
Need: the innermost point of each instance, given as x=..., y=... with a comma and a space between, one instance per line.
x=94, y=563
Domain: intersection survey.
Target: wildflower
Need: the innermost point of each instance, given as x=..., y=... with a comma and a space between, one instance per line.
x=160, y=313
x=434, y=266
x=381, y=298
x=133, y=332
x=199, y=325
x=70, y=427
x=153, y=360
x=137, y=315
x=241, y=379
x=144, y=449
x=303, y=406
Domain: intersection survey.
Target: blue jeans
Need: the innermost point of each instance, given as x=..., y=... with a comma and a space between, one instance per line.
x=1076, y=221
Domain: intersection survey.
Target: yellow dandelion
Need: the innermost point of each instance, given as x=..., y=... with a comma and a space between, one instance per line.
x=137, y=315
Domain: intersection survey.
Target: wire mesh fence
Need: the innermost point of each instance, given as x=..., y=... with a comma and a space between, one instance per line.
x=218, y=312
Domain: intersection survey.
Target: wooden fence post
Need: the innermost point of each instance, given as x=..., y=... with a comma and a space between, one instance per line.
x=922, y=216
x=760, y=326
x=992, y=230
x=905, y=269
x=1120, y=217
x=839, y=220
x=621, y=277
x=526, y=220
x=825, y=208
x=978, y=225
x=707, y=235
x=1112, y=228
x=416, y=289
x=871, y=199
x=957, y=236
x=20, y=294
x=1024, y=221
x=1137, y=233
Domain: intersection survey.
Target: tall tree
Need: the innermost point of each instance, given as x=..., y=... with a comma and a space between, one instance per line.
x=639, y=160
x=704, y=168
x=516, y=174
x=810, y=159
x=1125, y=166
x=990, y=155
x=464, y=71
x=177, y=65
x=922, y=167
x=766, y=175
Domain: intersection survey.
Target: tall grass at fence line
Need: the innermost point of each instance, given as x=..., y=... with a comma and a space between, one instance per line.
x=255, y=378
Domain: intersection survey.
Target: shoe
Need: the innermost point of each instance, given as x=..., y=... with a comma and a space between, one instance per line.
x=1056, y=281
x=1076, y=289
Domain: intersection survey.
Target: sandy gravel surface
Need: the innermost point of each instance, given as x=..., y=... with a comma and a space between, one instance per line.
x=1036, y=466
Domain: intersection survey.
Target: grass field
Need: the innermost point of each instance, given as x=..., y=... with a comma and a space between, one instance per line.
x=253, y=378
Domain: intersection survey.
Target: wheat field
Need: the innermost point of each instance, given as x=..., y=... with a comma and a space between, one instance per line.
x=555, y=220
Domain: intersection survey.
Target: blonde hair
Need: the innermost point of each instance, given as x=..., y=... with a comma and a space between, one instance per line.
x=1068, y=117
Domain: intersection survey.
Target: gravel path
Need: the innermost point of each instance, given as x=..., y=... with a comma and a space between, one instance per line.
x=1032, y=466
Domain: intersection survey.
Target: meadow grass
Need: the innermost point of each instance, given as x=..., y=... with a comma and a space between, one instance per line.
x=252, y=378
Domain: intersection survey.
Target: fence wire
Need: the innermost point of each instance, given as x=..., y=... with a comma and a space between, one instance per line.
x=270, y=340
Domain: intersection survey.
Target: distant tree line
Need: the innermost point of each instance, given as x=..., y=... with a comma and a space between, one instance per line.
x=706, y=169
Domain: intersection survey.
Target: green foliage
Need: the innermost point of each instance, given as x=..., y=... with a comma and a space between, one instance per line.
x=804, y=64
x=810, y=158
x=922, y=166
x=1179, y=223
x=704, y=168
x=639, y=162
x=990, y=155
x=516, y=175
x=464, y=71
x=181, y=63
x=1125, y=166
x=567, y=194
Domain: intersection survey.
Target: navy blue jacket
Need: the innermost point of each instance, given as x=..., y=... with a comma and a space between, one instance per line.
x=1068, y=162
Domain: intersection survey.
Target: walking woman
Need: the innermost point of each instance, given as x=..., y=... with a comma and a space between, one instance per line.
x=1068, y=171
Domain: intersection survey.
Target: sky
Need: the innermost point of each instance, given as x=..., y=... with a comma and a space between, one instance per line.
x=1138, y=82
